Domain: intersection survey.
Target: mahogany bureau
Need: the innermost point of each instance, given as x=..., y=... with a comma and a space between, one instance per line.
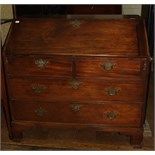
x=77, y=73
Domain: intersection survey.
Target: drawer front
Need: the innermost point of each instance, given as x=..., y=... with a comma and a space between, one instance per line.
x=39, y=66
x=113, y=67
x=81, y=89
x=73, y=112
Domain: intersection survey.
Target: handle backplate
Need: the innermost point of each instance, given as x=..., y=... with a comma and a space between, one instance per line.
x=40, y=112
x=108, y=66
x=38, y=88
x=41, y=63
x=111, y=115
x=112, y=91
x=75, y=107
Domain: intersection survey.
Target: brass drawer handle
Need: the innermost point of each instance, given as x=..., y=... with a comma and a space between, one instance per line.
x=41, y=63
x=111, y=115
x=75, y=107
x=111, y=91
x=74, y=83
x=108, y=66
x=40, y=112
x=37, y=88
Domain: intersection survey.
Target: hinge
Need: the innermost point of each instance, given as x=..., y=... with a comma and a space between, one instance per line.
x=145, y=66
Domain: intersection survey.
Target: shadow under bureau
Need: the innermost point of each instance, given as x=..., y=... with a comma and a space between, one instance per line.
x=77, y=73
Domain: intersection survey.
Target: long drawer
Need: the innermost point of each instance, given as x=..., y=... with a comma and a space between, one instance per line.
x=37, y=89
x=73, y=112
x=39, y=66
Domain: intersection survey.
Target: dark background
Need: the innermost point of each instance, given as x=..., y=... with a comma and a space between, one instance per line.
x=50, y=10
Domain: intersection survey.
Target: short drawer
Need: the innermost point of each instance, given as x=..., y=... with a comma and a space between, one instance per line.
x=108, y=67
x=74, y=112
x=37, y=89
x=39, y=66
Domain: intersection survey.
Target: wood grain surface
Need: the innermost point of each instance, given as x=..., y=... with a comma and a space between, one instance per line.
x=77, y=73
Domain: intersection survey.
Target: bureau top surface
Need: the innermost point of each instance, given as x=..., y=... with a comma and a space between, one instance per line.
x=62, y=36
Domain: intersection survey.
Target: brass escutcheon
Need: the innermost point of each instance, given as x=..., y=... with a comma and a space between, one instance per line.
x=74, y=83
x=76, y=23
